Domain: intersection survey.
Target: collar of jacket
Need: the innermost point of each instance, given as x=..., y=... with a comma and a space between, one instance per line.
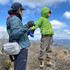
x=16, y=14
x=10, y=16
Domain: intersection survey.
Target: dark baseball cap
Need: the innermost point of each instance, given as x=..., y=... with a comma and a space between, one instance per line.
x=17, y=5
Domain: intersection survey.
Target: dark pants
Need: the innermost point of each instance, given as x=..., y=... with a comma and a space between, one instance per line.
x=21, y=60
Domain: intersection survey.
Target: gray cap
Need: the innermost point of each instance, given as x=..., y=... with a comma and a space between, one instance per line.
x=15, y=6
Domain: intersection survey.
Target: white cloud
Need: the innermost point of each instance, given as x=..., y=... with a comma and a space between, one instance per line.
x=59, y=34
x=3, y=2
x=67, y=31
x=65, y=34
x=2, y=28
x=37, y=35
x=31, y=12
x=34, y=3
x=3, y=31
x=39, y=3
x=57, y=24
x=67, y=15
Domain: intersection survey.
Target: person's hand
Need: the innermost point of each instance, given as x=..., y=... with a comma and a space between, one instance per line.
x=30, y=24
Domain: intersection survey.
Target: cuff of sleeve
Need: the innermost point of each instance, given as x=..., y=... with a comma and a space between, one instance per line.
x=26, y=27
x=31, y=29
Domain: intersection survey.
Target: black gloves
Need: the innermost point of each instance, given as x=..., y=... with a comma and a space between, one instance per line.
x=30, y=24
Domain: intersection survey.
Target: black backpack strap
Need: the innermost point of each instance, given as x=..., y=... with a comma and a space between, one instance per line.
x=11, y=58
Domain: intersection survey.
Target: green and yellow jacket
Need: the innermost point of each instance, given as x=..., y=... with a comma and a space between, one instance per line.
x=43, y=23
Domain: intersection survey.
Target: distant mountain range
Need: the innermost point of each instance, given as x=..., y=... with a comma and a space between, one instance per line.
x=62, y=42
x=56, y=42
x=3, y=40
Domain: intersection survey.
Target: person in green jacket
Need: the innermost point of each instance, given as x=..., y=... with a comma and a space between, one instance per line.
x=46, y=37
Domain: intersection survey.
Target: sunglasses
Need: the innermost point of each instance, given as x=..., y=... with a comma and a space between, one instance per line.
x=50, y=12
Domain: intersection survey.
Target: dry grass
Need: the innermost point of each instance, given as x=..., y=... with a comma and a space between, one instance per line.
x=61, y=58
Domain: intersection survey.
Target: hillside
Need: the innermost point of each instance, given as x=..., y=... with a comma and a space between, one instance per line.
x=61, y=58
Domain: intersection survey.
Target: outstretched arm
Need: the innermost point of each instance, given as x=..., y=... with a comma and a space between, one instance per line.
x=38, y=24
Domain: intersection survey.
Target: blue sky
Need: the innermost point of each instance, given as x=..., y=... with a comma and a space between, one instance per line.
x=60, y=17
